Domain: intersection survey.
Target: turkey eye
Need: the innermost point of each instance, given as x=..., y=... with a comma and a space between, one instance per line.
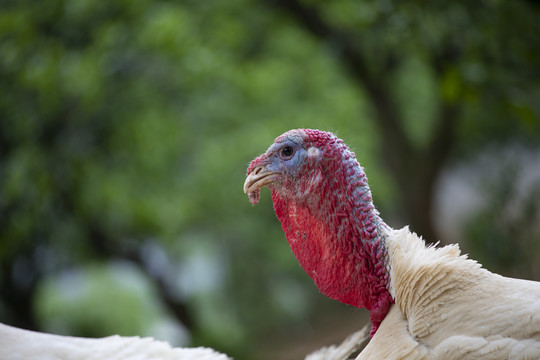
x=286, y=152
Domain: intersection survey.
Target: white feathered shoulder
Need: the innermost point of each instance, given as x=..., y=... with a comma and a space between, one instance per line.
x=448, y=307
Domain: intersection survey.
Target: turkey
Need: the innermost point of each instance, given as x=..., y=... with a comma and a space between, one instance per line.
x=18, y=344
x=425, y=302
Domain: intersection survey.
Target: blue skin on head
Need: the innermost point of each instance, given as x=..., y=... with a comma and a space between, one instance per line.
x=279, y=161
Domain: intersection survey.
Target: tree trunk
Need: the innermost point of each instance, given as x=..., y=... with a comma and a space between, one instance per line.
x=18, y=279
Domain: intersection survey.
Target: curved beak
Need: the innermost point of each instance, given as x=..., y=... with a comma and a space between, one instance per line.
x=258, y=178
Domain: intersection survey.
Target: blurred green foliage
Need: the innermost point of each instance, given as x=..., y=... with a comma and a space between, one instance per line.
x=116, y=298
x=126, y=128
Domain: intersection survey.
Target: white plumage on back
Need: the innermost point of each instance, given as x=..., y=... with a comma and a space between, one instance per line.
x=18, y=344
x=449, y=307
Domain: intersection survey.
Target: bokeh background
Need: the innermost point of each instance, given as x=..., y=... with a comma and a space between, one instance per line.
x=126, y=128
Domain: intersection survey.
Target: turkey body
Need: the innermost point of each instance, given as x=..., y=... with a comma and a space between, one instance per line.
x=449, y=307
x=19, y=344
x=425, y=302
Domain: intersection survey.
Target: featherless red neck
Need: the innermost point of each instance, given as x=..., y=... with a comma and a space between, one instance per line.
x=323, y=201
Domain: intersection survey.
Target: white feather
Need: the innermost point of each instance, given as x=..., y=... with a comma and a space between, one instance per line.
x=18, y=344
x=449, y=307
x=343, y=351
